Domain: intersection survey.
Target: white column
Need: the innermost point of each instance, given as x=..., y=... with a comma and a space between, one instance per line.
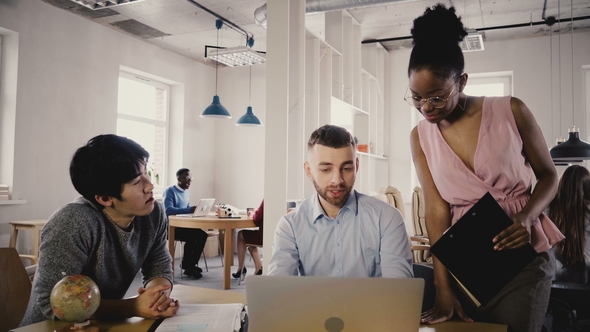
x=286, y=18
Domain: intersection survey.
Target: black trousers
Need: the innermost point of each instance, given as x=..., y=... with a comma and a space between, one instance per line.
x=194, y=241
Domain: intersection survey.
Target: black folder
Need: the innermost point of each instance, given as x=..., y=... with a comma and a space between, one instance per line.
x=467, y=251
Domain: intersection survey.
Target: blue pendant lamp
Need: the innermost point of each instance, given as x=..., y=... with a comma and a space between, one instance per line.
x=216, y=110
x=249, y=119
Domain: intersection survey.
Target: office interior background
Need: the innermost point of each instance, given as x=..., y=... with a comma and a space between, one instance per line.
x=59, y=86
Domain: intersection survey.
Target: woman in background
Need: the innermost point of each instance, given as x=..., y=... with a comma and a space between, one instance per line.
x=569, y=211
x=253, y=238
x=465, y=147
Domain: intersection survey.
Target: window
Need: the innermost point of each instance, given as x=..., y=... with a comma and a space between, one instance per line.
x=489, y=84
x=143, y=113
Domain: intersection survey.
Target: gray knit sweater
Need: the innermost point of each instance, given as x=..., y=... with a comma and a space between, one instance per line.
x=79, y=239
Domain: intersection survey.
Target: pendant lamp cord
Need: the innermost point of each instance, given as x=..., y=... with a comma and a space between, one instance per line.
x=250, y=89
x=559, y=56
x=572, y=33
x=551, y=73
x=216, y=62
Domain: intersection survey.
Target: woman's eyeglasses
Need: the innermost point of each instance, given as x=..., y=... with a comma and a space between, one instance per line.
x=435, y=102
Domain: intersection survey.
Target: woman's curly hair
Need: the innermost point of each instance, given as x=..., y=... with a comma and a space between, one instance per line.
x=436, y=35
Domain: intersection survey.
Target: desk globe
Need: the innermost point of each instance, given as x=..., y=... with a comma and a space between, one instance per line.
x=74, y=299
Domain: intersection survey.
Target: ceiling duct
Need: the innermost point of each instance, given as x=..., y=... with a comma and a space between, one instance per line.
x=319, y=6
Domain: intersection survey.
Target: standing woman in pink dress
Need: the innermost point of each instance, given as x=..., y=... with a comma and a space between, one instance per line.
x=467, y=146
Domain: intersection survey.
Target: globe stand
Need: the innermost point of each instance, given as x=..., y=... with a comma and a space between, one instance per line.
x=86, y=326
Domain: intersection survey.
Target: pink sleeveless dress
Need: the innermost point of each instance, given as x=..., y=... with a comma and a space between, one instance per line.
x=500, y=168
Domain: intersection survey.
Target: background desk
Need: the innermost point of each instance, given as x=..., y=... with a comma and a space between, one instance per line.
x=189, y=294
x=214, y=222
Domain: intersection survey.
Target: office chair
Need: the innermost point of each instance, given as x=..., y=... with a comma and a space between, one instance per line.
x=426, y=272
x=569, y=304
x=15, y=289
x=419, y=242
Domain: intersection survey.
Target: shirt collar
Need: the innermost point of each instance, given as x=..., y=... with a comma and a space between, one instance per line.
x=178, y=187
x=351, y=204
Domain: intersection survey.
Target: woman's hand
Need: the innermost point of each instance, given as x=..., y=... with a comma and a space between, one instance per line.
x=516, y=235
x=446, y=305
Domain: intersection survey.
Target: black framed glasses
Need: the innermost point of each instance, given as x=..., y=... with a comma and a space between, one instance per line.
x=435, y=102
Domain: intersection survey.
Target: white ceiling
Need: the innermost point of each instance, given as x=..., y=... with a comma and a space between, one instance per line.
x=186, y=29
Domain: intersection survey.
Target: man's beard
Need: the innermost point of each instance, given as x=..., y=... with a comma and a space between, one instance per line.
x=336, y=201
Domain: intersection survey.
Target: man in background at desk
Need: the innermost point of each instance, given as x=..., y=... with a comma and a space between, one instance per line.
x=115, y=229
x=339, y=231
x=177, y=201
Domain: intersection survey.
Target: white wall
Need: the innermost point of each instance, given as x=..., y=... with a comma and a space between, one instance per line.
x=67, y=93
x=529, y=60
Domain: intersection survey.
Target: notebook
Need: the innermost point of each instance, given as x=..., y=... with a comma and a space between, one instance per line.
x=203, y=208
x=467, y=251
x=294, y=303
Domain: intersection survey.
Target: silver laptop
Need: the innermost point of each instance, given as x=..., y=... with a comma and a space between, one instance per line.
x=203, y=208
x=279, y=303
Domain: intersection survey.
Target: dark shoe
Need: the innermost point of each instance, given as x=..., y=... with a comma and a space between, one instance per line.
x=196, y=268
x=238, y=274
x=259, y=273
x=193, y=273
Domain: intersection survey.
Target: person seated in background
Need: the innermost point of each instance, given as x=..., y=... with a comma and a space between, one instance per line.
x=109, y=234
x=569, y=210
x=339, y=231
x=253, y=237
x=177, y=201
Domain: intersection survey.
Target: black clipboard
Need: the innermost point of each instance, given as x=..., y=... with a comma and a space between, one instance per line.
x=467, y=251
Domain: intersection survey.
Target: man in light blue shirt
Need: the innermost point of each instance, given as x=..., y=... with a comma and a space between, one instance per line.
x=338, y=231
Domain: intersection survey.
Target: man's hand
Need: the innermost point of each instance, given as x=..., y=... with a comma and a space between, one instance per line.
x=155, y=302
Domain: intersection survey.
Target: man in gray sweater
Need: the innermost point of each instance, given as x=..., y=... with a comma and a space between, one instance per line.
x=109, y=234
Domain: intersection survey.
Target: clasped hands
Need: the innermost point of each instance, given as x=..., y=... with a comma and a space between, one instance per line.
x=155, y=302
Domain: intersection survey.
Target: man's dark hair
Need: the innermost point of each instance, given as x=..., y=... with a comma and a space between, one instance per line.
x=105, y=164
x=181, y=171
x=331, y=136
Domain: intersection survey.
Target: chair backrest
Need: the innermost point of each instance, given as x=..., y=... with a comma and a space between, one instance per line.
x=426, y=272
x=569, y=302
x=394, y=198
x=418, y=212
x=15, y=289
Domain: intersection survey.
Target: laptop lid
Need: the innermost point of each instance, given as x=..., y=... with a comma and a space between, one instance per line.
x=281, y=303
x=204, y=206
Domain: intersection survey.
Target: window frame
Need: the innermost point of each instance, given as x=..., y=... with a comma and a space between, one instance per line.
x=160, y=186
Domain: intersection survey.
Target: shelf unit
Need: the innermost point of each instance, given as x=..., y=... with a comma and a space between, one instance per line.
x=345, y=85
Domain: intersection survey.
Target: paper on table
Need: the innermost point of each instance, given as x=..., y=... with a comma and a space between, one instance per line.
x=209, y=317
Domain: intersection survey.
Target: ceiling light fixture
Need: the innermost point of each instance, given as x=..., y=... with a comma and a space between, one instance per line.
x=237, y=56
x=216, y=110
x=472, y=42
x=101, y=4
x=249, y=119
x=574, y=148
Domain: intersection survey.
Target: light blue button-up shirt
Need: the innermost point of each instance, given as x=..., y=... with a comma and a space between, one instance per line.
x=366, y=239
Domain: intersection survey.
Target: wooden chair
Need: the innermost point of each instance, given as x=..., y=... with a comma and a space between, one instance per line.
x=15, y=289
x=419, y=242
